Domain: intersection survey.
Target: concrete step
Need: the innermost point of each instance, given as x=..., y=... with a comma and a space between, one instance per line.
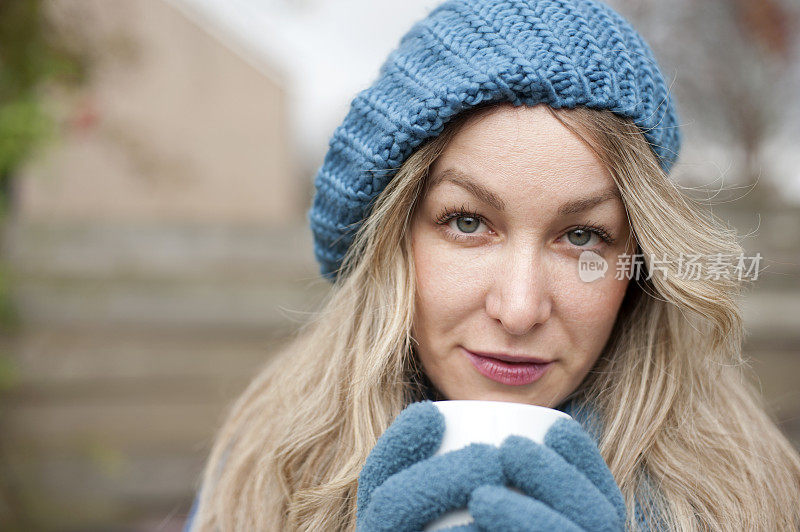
x=162, y=276
x=119, y=250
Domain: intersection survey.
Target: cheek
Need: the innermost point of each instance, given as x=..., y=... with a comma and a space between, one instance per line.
x=446, y=285
x=590, y=310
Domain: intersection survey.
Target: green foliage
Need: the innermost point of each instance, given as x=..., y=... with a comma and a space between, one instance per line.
x=8, y=373
x=23, y=126
x=8, y=318
x=34, y=57
x=33, y=54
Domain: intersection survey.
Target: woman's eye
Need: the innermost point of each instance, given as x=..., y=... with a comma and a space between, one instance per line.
x=582, y=237
x=467, y=224
x=462, y=226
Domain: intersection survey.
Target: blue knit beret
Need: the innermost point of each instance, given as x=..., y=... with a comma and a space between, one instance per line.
x=563, y=53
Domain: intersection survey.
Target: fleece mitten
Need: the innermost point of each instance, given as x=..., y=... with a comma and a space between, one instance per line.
x=565, y=486
x=403, y=486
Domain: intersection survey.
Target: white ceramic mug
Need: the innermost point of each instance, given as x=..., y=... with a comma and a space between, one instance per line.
x=488, y=422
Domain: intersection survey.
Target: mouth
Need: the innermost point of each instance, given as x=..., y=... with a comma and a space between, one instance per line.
x=513, y=370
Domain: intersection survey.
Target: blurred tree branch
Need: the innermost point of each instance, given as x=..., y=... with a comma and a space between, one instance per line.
x=769, y=23
x=735, y=61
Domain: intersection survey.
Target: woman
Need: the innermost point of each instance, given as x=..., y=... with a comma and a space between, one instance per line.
x=504, y=145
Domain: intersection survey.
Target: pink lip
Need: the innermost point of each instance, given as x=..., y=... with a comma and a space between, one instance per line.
x=508, y=369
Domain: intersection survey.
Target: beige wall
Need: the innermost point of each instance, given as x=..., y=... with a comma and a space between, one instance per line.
x=184, y=129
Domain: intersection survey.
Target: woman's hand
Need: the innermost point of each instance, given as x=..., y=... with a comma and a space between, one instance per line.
x=566, y=484
x=403, y=486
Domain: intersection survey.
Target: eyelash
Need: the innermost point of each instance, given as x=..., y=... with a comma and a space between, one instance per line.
x=463, y=211
x=597, y=229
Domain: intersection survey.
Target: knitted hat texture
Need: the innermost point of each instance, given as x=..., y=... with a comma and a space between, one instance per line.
x=563, y=53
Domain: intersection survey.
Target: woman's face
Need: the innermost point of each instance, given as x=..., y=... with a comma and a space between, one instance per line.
x=515, y=199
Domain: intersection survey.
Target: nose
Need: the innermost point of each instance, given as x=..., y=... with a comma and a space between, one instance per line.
x=520, y=295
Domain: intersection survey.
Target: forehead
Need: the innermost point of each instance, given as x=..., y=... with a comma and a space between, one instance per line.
x=522, y=150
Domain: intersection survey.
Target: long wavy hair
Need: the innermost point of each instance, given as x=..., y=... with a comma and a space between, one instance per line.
x=683, y=431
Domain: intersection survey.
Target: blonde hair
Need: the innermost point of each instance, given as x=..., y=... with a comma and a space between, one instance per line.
x=683, y=432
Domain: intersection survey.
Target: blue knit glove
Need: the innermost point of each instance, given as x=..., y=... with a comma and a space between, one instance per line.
x=403, y=487
x=567, y=486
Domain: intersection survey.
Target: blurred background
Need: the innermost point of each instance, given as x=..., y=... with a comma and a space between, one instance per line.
x=156, y=166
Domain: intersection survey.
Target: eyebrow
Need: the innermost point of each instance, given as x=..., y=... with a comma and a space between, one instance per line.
x=584, y=204
x=451, y=175
x=458, y=178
